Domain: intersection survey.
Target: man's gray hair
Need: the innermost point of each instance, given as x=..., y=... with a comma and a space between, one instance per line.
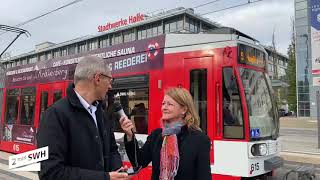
x=88, y=67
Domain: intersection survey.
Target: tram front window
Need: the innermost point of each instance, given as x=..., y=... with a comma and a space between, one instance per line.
x=262, y=118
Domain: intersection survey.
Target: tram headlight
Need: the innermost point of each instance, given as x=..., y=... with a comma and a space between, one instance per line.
x=259, y=149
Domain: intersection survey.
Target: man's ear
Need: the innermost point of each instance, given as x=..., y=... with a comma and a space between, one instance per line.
x=96, y=78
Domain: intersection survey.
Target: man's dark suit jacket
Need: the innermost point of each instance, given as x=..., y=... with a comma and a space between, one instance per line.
x=77, y=149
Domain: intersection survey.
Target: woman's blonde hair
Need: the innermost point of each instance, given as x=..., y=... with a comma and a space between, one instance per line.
x=183, y=97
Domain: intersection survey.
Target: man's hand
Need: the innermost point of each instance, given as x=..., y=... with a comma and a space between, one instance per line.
x=127, y=127
x=117, y=175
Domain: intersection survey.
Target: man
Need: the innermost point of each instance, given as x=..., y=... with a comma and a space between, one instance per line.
x=80, y=140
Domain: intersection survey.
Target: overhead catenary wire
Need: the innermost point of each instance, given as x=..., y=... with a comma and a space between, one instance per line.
x=231, y=7
x=45, y=14
x=207, y=3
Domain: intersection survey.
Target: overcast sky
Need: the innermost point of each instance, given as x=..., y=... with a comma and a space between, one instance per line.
x=257, y=20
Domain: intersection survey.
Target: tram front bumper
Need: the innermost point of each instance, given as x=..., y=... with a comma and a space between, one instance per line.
x=273, y=163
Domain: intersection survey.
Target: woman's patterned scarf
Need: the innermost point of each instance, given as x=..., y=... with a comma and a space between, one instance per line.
x=169, y=155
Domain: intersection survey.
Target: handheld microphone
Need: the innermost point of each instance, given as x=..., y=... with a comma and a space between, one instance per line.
x=118, y=110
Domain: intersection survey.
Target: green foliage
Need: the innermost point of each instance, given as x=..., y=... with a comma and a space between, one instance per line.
x=291, y=76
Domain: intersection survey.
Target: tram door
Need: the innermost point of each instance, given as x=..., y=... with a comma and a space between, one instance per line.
x=198, y=73
x=47, y=95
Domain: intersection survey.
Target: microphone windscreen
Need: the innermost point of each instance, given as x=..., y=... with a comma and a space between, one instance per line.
x=116, y=107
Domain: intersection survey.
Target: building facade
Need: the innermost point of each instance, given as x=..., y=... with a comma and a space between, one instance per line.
x=277, y=68
x=306, y=17
x=179, y=20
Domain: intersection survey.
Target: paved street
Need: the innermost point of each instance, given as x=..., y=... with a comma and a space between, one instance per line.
x=299, y=135
x=298, y=139
x=290, y=166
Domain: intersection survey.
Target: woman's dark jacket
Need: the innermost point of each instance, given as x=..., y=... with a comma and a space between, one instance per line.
x=77, y=149
x=194, y=151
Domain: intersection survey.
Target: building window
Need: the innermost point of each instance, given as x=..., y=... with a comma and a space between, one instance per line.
x=18, y=62
x=56, y=53
x=301, y=22
x=49, y=55
x=160, y=29
x=205, y=27
x=301, y=13
x=129, y=35
x=71, y=49
x=142, y=33
x=93, y=45
x=24, y=62
x=155, y=30
x=117, y=39
x=173, y=26
x=82, y=47
x=64, y=52
x=180, y=24
x=42, y=57
x=270, y=67
x=166, y=27
x=149, y=31
x=32, y=59
x=301, y=5
x=192, y=25
x=104, y=42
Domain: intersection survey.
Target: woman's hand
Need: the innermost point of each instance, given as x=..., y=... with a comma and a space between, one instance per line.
x=127, y=126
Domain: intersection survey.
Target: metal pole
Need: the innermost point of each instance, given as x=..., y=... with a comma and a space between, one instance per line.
x=318, y=117
x=10, y=44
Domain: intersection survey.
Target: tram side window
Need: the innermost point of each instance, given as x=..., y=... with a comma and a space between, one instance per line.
x=198, y=90
x=57, y=95
x=28, y=99
x=12, y=106
x=1, y=102
x=232, y=110
x=43, y=103
x=133, y=94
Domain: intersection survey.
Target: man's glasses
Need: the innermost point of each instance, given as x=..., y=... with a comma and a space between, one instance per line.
x=111, y=78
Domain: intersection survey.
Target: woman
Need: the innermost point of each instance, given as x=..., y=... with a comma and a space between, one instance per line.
x=178, y=150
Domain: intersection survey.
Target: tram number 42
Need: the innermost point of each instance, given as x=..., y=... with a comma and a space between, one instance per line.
x=254, y=167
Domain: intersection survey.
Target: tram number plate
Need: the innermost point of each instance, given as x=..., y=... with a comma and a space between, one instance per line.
x=254, y=167
x=16, y=147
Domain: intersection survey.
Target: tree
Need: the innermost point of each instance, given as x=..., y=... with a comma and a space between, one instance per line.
x=291, y=73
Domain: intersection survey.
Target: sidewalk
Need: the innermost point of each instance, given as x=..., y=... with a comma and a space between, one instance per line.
x=293, y=122
x=298, y=138
x=13, y=175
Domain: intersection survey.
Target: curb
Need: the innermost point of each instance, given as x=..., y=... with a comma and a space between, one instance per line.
x=311, y=158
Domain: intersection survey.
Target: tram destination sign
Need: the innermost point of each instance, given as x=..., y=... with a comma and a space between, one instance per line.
x=135, y=56
x=251, y=56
